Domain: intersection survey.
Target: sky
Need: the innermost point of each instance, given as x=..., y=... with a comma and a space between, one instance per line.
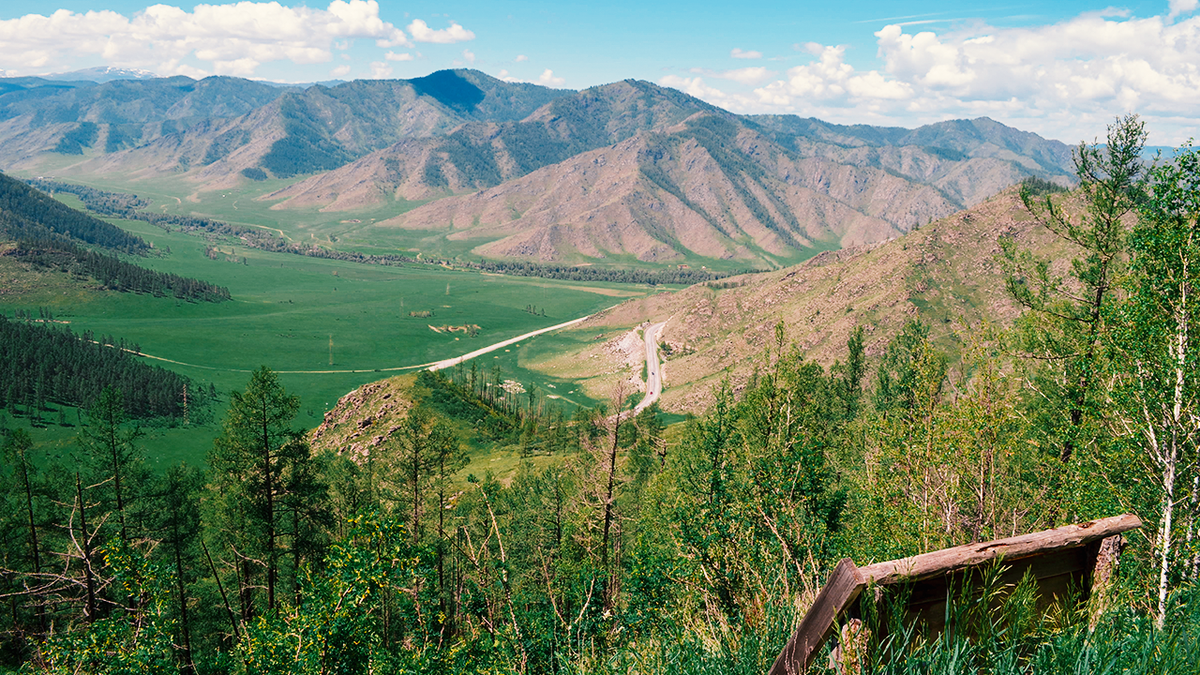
x=1062, y=69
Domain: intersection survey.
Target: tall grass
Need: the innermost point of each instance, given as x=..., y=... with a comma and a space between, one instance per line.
x=1016, y=640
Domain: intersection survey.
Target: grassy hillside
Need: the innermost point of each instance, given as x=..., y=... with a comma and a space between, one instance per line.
x=946, y=273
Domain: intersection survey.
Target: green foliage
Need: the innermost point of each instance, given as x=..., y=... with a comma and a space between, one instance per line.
x=759, y=506
x=24, y=209
x=1156, y=368
x=254, y=173
x=267, y=498
x=1065, y=327
x=139, y=641
x=1034, y=186
x=336, y=628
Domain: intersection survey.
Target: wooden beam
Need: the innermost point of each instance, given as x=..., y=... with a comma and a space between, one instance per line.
x=843, y=588
x=950, y=560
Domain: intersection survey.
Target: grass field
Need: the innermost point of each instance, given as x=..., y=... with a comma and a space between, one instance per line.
x=287, y=309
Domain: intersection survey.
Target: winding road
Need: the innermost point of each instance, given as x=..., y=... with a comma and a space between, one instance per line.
x=653, y=367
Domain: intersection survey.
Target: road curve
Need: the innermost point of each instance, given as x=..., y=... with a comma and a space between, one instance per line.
x=653, y=367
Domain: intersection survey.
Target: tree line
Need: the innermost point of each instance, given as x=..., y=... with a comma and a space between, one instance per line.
x=42, y=364
x=26, y=208
x=41, y=248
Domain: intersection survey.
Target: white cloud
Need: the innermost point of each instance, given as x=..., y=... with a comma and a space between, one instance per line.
x=503, y=75
x=380, y=70
x=468, y=56
x=393, y=56
x=739, y=54
x=753, y=75
x=548, y=79
x=233, y=38
x=1182, y=7
x=421, y=32
x=340, y=71
x=695, y=86
x=1063, y=80
x=520, y=58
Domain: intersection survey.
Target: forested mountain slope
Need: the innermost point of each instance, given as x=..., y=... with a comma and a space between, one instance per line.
x=40, y=233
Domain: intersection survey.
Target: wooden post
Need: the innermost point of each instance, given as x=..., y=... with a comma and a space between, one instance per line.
x=843, y=588
x=1108, y=555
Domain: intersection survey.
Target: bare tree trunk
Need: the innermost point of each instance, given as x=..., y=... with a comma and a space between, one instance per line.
x=86, y=548
x=270, y=515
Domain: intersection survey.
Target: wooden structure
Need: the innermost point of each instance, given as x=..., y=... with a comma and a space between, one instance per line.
x=1076, y=558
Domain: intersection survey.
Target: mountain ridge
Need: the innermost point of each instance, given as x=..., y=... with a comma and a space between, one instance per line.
x=505, y=168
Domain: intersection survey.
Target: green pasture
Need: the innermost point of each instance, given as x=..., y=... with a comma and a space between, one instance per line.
x=287, y=309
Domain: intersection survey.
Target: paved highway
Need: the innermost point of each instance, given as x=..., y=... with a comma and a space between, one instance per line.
x=653, y=367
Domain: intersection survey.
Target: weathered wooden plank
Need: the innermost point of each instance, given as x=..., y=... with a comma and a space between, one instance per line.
x=950, y=560
x=843, y=588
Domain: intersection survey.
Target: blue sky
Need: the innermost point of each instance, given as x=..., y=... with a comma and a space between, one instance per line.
x=1061, y=69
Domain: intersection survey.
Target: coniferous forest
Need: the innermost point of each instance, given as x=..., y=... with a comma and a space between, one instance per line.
x=43, y=363
x=623, y=546
x=49, y=234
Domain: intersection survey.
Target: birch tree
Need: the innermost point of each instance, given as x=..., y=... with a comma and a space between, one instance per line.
x=1157, y=386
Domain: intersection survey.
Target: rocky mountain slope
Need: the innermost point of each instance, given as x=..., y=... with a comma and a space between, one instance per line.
x=624, y=172
x=723, y=187
x=254, y=130
x=946, y=273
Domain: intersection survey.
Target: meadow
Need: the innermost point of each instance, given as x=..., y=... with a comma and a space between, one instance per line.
x=326, y=326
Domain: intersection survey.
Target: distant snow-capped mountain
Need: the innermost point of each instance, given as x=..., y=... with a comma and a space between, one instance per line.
x=101, y=74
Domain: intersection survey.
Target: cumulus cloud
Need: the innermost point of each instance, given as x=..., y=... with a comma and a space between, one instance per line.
x=739, y=54
x=380, y=70
x=468, y=56
x=753, y=75
x=1065, y=79
x=393, y=56
x=548, y=79
x=505, y=76
x=520, y=58
x=1182, y=7
x=233, y=38
x=340, y=71
x=421, y=32
x=695, y=86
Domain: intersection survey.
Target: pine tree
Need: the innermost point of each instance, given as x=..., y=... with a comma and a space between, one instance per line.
x=256, y=464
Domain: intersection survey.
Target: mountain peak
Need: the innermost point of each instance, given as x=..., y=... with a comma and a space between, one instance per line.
x=101, y=74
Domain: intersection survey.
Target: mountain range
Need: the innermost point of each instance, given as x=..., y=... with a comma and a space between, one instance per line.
x=625, y=173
